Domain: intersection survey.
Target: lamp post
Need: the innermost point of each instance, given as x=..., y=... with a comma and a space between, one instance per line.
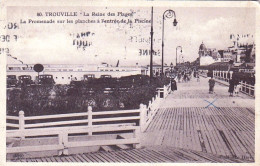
x=151, y=56
x=177, y=52
x=167, y=14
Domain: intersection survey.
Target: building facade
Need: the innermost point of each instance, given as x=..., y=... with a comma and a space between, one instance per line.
x=64, y=73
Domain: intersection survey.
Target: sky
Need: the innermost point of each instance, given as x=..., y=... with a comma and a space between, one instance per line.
x=110, y=42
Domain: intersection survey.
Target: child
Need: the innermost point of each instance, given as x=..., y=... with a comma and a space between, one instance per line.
x=198, y=78
x=237, y=89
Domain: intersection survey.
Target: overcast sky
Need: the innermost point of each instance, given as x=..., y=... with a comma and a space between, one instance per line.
x=53, y=43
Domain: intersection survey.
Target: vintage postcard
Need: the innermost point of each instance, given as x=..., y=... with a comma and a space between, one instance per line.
x=129, y=82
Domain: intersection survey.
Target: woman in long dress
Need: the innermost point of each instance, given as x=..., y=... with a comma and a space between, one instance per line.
x=231, y=87
x=173, y=85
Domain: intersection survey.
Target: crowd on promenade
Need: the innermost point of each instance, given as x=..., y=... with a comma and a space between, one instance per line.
x=185, y=75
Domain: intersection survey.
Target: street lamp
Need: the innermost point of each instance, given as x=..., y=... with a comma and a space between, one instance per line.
x=167, y=14
x=176, y=53
x=151, y=56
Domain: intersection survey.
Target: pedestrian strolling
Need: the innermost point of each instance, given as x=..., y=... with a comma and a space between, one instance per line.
x=173, y=85
x=211, y=85
x=231, y=87
x=179, y=77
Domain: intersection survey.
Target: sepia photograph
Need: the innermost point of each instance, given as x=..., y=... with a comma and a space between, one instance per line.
x=130, y=84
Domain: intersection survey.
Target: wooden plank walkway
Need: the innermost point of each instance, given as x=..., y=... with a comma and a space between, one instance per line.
x=226, y=128
x=153, y=154
x=221, y=131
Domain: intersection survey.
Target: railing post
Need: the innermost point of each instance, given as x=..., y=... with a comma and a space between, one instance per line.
x=21, y=122
x=231, y=73
x=226, y=76
x=90, y=119
x=63, y=140
x=60, y=143
x=142, y=117
x=151, y=109
x=137, y=135
x=164, y=91
x=249, y=89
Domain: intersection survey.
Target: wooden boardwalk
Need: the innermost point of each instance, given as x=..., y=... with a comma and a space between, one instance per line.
x=221, y=131
x=186, y=120
x=144, y=155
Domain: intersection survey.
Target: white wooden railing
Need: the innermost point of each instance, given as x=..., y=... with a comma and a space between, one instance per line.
x=164, y=91
x=224, y=76
x=88, y=121
x=63, y=135
x=138, y=122
x=25, y=130
x=148, y=112
x=247, y=88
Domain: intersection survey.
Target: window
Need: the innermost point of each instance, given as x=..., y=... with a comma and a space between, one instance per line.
x=101, y=70
x=62, y=77
x=56, y=77
x=64, y=69
x=68, y=77
x=70, y=69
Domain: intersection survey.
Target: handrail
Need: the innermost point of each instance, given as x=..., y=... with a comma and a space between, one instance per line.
x=12, y=117
x=246, y=88
x=64, y=142
x=146, y=114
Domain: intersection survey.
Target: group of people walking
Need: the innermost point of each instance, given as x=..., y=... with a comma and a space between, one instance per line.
x=234, y=86
x=186, y=75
